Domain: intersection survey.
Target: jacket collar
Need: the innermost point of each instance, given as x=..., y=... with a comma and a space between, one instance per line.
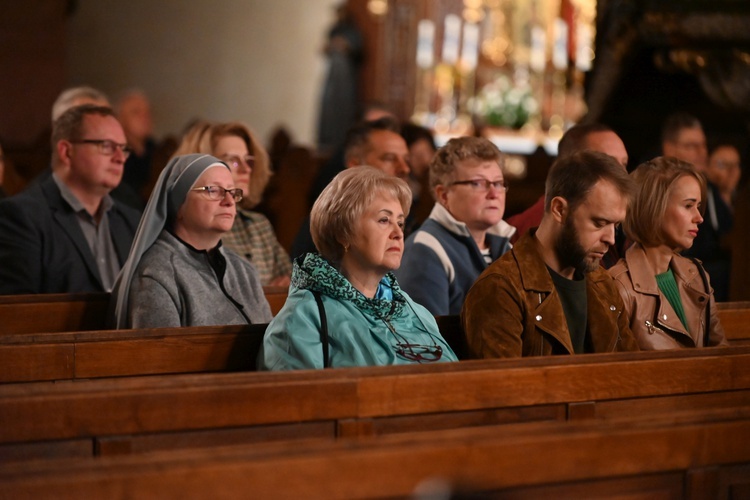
x=642, y=276
x=531, y=265
x=312, y=272
x=65, y=216
x=441, y=215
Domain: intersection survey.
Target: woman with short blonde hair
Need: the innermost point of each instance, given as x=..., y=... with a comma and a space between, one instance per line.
x=357, y=224
x=668, y=297
x=335, y=213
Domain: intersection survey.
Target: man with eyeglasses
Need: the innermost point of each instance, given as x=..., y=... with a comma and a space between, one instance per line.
x=66, y=234
x=464, y=233
x=549, y=295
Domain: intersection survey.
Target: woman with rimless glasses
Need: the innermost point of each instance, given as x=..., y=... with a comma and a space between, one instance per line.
x=465, y=231
x=345, y=307
x=177, y=273
x=252, y=235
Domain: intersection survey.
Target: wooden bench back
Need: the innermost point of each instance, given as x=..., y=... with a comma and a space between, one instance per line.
x=698, y=459
x=126, y=415
x=75, y=312
x=33, y=357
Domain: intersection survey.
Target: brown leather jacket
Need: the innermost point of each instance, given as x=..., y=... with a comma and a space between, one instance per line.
x=513, y=310
x=652, y=318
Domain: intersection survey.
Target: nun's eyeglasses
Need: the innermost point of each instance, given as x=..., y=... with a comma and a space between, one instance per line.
x=216, y=193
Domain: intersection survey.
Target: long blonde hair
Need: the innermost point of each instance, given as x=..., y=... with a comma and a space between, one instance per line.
x=202, y=137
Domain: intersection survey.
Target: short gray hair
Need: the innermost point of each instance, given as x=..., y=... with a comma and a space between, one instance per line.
x=68, y=97
x=458, y=149
x=338, y=208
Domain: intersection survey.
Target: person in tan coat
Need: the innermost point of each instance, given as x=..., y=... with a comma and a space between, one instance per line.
x=668, y=298
x=549, y=295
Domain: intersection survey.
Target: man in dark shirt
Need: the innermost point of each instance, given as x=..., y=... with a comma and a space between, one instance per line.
x=549, y=295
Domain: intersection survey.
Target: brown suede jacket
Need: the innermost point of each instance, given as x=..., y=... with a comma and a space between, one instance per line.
x=513, y=310
x=652, y=318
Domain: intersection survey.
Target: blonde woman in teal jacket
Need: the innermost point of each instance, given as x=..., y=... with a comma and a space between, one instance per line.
x=345, y=307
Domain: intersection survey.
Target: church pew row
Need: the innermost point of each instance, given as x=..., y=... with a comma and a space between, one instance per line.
x=75, y=312
x=32, y=357
x=56, y=313
x=698, y=458
x=140, y=414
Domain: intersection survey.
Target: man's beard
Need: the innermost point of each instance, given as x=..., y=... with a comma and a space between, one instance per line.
x=569, y=251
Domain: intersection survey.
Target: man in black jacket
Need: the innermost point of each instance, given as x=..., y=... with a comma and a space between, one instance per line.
x=65, y=233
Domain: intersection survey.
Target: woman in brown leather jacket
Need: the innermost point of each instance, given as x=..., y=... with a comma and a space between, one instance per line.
x=666, y=295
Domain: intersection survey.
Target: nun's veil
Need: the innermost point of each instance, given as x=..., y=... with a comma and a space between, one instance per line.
x=174, y=183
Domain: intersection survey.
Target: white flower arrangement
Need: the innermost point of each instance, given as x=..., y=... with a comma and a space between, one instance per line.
x=504, y=103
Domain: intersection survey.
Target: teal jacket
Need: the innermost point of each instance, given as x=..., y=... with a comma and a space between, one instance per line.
x=360, y=329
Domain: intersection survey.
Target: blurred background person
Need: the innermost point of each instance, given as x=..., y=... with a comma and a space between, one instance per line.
x=133, y=109
x=345, y=306
x=666, y=295
x=178, y=273
x=421, y=145
x=683, y=138
x=2, y=172
x=75, y=96
x=338, y=109
x=252, y=235
x=465, y=232
x=724, y=171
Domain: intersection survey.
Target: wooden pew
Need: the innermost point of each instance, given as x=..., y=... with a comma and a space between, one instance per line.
x=695, y=459
x=53, y=312
x=135, y=414
x=32, y=357
x=735, y=318
x=115, y=353
x=276, y=297
x=75, y=312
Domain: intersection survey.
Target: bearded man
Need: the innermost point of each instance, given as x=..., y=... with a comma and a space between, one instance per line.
x=549, y=294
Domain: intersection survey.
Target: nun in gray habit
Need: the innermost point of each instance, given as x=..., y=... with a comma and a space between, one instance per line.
x=167, y=281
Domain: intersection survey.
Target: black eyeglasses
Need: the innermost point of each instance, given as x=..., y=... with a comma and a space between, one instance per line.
x=216, y=193
x=482, y=185
x=414, y=352
x=106, y=147
x=236, y=162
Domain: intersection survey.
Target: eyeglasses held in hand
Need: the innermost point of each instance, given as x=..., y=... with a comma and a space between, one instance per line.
x=482, y=185
x=216, y=193
x=236, y=162
x=106, y=147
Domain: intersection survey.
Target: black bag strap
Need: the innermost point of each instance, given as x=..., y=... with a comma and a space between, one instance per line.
x=704, y=278
x=323, y=327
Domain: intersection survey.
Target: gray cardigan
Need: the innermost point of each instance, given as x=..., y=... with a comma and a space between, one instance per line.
x=175, y=285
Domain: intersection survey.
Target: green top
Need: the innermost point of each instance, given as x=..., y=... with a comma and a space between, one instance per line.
x=668, y=287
